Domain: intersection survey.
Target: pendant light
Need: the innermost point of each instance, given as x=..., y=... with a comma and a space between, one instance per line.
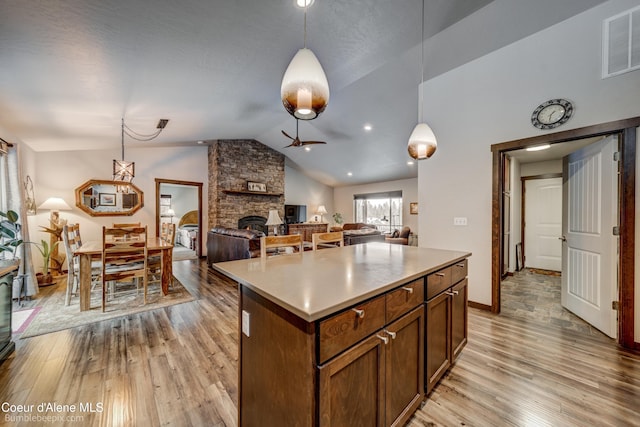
x=305, y=89
x=123, y=171
x=422, y=142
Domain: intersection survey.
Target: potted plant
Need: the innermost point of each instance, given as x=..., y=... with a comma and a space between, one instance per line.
x=337, y=218
x=45, y=278
x=9, y=237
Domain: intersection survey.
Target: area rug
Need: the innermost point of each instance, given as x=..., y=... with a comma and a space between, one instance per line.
x=55, y=316
x=21, y=319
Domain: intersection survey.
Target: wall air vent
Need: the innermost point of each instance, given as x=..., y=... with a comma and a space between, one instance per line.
x=621, y=43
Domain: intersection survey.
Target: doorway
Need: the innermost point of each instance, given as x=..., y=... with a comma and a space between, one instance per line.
x=180, y=203
x=626, y=196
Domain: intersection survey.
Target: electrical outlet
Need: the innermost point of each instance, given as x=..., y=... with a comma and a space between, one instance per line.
x=460, y=221
x=246, y=320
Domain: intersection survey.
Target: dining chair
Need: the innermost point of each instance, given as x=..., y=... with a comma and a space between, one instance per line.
x=331, y=239
x=124, y=258
x=126, y=225
x=275, y=242
x=154, y=263
x=72, y=241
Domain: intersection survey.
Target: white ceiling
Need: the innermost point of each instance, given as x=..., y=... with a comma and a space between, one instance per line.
x=71, y=69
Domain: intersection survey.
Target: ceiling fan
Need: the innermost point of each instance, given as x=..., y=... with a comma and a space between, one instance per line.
x=296, y=141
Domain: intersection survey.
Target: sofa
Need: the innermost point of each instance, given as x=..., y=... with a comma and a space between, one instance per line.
x=399, y=237
x=359, y=232
x=228, y=244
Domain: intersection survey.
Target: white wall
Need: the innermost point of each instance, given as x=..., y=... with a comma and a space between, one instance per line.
x=541, y=168
x=299, y=189
x=637, y=260
x=489, y=101
x=59, y=173
x=343, y=199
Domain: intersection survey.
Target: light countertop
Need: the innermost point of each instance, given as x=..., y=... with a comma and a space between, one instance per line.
x=313, y=285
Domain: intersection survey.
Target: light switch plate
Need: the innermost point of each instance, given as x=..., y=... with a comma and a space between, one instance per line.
x=246, y=320
x=460, y=221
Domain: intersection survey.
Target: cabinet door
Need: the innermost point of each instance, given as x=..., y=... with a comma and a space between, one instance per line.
x=352, y=386
x=458, y=318
x=404, y=367
x=438, y=339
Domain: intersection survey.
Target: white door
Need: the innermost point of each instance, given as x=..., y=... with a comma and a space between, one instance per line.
x=543, y=223
x=590, y=251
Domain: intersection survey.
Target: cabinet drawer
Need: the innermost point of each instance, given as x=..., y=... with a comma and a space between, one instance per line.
x=458, y=271
x=348, y=327
x=438, y=282
x=403, y=299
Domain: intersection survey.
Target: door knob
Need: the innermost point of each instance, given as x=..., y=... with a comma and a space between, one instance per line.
x=563, y=238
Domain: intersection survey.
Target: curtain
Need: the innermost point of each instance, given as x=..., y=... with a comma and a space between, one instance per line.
x=13, y=200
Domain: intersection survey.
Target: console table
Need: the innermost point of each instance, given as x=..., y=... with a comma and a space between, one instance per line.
x=306, y=229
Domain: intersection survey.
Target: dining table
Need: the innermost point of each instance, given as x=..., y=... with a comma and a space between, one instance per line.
x=92, y=250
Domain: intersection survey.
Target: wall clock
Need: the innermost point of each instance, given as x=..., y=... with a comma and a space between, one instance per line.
x=552, y=113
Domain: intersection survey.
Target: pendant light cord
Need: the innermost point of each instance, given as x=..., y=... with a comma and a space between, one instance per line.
x=420, y=115
x=305, y=26
x=122, y=127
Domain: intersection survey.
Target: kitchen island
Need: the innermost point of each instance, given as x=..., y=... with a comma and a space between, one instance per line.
x=338, y=336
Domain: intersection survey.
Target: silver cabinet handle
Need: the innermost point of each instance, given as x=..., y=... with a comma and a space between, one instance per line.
x=440, y=274
x=410, y=290
x=391, y=334
x=460, y=265
x=385, y=339
x=360, y=313
x=452, y=293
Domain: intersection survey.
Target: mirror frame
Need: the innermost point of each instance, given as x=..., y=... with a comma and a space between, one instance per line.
x=81, y=189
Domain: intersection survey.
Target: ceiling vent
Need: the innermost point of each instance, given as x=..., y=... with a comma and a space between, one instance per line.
x=621, y=43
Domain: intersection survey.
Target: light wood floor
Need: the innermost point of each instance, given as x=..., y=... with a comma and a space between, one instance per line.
x=178, y=366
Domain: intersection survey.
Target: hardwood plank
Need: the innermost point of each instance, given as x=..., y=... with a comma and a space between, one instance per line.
x=178, y=366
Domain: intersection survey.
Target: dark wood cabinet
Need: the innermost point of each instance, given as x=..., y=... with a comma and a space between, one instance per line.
x=352, y=386
x=383, y=377
x=446, y=321
x=307, y=229
x=404, y=372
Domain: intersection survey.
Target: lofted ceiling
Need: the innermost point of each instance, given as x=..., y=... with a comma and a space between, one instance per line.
x=71, y=69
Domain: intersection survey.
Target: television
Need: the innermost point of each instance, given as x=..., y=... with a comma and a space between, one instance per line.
x=295, y=214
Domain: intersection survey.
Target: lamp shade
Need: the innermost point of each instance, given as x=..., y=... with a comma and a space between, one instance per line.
x=123, y=171
x=305, y=89
x=422, y=142
x=55, y=204
x=171, y=212
x=274, y=218
x=321, y=210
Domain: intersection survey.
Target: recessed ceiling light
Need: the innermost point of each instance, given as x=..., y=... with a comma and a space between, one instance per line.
x=410, y=163
x=304, y=3
x=538, y=147
x=349, y=174
x=367, y=127
x=307, y=148
x=200, y=142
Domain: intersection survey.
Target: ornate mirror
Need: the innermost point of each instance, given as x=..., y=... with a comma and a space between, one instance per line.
x=102, y=198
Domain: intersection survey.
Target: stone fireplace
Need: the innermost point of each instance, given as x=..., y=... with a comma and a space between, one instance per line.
x=234, y=163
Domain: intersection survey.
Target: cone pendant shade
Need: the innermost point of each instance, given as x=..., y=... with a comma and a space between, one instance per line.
x=305, y=89
x=422, y=142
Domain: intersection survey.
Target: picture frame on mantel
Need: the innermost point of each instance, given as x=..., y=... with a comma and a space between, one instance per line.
x=413, y=208
x=258, y=187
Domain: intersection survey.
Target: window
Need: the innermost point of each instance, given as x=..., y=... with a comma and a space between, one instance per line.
x=384, y=210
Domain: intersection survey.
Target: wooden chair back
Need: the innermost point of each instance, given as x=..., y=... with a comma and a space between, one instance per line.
x=124, y=256
x=126, y=225
x=71, y=241
x=327, y=240
x=272, y=242
x=168, y=233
